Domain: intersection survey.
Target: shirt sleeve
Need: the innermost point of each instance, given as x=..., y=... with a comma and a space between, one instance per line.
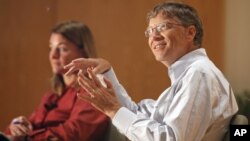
x=120, y=92
x=185, y=119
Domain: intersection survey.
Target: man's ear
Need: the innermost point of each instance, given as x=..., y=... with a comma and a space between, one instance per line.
x=190, y=32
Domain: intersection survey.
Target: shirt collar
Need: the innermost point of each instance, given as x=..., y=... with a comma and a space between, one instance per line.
x=179, y=66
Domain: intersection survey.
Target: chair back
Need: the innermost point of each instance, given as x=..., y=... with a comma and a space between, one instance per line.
x=114, y=134
x=3, y=137
x=236, y=120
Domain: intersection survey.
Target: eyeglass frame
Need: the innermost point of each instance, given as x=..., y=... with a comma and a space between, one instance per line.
x=158, y=28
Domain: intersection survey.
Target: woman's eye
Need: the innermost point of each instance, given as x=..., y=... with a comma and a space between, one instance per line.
x=63, y=49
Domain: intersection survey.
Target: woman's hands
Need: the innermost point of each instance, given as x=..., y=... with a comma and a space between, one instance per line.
x=20, y=127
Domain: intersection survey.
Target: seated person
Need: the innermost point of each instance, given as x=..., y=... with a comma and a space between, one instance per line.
x=61, y=115
x=197, y=106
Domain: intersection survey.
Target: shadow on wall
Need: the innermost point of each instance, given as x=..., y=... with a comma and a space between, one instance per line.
x=243, y=100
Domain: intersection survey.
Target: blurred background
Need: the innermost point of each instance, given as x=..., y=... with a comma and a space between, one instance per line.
x=118, y=27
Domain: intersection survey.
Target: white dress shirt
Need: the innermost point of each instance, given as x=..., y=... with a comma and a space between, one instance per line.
x=196, y=107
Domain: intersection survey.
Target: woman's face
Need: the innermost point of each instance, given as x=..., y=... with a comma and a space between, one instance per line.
x=62, y=52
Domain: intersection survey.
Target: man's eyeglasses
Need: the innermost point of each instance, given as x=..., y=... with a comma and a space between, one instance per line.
x=159, y=28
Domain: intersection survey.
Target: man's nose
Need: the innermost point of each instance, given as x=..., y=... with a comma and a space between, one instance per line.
x=155, y=32
x=156, y=35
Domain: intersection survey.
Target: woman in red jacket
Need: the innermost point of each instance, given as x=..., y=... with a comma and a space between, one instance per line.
x=61, y=115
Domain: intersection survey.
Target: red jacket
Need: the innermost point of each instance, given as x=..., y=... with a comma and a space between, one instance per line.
x=68, y=119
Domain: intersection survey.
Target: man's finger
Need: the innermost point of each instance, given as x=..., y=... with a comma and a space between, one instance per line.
x=108, y=83
x=70, y=71
x=68, y=66
x=85, y=97
x=94, y=78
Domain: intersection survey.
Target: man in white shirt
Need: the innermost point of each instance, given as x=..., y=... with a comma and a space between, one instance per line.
x=197, y=106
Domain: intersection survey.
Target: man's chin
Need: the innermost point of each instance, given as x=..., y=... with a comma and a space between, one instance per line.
x=158, y=58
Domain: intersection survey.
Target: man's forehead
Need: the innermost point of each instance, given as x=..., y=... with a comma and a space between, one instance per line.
x=160, y=18
x=157, y=20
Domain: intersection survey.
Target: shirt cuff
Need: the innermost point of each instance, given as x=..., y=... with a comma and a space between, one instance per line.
x=110, y=74
x=123, y=120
